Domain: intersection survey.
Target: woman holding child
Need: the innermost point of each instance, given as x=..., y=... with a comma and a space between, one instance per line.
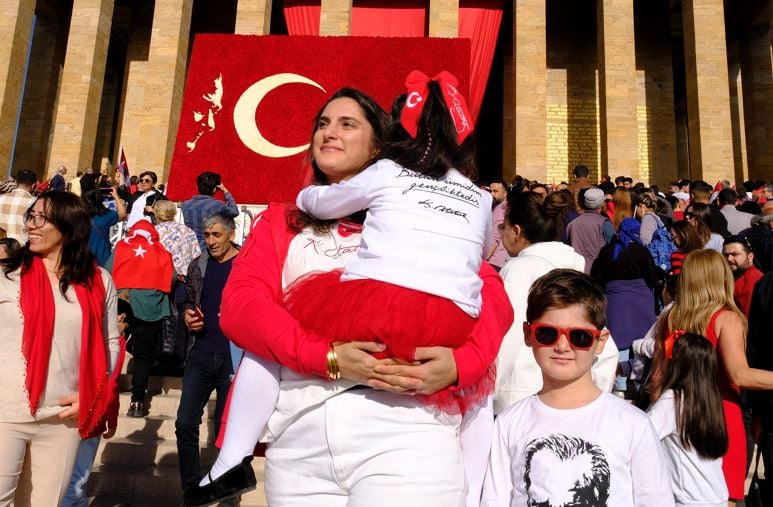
x=394, y=449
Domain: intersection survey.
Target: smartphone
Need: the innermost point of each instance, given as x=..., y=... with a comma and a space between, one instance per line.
x=198, y=313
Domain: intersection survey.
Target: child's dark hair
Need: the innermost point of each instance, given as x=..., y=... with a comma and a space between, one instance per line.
x=692, y=375
x=561, y=288
x=434, y=150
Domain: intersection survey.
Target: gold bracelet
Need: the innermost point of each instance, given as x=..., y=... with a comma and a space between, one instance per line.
x=333, y=371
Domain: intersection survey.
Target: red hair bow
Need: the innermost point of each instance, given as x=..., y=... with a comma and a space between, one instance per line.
x=417, y=84
x=670, y=341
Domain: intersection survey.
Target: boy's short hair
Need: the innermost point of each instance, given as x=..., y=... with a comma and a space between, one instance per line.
x=561, y=288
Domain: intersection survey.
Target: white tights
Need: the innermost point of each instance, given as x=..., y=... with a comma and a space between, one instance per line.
x=254, y=395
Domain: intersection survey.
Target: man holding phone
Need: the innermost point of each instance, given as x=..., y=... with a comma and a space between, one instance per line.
x=208, y=365
x=203, y=205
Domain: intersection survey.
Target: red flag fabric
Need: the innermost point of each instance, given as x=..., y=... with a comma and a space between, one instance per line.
x=141, y=261
x=123, y=167
x=250, y=100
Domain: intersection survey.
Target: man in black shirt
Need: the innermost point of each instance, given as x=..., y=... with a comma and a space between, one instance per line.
x=208, y=365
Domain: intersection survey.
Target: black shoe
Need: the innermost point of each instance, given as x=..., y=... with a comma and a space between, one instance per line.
x=240, y=479
x=136, y=409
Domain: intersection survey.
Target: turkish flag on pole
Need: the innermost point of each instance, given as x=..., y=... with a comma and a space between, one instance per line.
x=141, y=261
x=123, y=166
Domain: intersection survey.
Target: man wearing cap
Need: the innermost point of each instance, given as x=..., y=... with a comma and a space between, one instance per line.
x=590, y=231
x=736, y=220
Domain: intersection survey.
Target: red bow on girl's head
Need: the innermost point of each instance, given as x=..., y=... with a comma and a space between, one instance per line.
x=417, y=84
x=670, y=341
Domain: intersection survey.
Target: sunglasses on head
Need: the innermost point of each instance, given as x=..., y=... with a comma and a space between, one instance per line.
x=580, y=338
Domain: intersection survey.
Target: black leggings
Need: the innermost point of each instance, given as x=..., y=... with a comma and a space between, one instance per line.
x=146, y=347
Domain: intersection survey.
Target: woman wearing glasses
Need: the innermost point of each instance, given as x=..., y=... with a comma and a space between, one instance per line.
x=141, y=202
x=60, y=342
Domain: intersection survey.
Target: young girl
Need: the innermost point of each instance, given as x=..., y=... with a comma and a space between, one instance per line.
x=689, y=420
x=413, y=281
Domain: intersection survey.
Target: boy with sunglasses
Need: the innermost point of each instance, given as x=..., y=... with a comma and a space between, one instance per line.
x=571, y=443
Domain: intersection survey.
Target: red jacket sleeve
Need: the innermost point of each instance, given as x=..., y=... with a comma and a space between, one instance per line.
x=496, y=316
x=250, y=313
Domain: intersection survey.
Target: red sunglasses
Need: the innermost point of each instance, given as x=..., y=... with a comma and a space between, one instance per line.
x=579, y=338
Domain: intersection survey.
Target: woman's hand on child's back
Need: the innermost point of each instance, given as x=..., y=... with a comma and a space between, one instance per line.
x=436, y=370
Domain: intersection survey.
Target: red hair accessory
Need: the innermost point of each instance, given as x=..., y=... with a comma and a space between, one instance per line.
x=670, y=341
x=417, y=84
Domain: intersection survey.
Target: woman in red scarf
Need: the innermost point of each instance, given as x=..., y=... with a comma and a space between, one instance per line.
x=60, y=342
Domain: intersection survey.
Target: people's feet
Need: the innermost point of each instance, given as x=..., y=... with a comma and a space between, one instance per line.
x=136, y=409
x=234, y=482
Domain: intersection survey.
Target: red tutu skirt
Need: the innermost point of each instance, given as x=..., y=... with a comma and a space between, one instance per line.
x=400, y=318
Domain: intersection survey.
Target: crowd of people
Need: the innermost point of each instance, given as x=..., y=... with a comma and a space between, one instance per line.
x=512, y=344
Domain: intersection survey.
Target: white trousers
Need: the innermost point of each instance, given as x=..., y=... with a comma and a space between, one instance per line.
x=367, y=448
x=50, y=447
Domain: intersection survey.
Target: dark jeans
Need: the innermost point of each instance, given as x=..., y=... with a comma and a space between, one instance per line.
x=146, y=347
x=204, y=373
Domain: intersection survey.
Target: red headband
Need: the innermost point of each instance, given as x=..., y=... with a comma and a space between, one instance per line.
x=671, y=341
x=417, y=84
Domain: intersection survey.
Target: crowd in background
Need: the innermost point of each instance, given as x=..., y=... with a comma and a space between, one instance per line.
x=633, y=240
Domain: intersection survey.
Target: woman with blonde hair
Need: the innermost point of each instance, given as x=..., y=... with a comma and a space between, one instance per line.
x=623, y=206
x=704, y=305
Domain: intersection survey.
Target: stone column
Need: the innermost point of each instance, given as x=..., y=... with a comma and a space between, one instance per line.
x=253, y=17
x=167, y=61
x=617, y=88
x=757, y=76
x=16, y=29
x=529, y=68
x=708, y=97
x=77, y=114
x=154, y=90
x=335, y=17
x=443, y=18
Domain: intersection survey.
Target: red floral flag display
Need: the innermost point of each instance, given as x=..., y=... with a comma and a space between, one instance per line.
x=141, y=261
x=250, y=101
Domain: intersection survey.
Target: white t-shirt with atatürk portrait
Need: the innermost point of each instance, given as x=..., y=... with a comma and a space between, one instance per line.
x=603, y=454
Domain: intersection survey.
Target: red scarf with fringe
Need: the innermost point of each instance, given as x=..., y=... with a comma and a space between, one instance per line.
x=37, y=305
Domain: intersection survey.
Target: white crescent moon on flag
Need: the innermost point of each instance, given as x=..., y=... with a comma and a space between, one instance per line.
x=244, y=115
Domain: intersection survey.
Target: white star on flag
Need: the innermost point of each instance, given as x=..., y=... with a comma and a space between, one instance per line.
x=139, y=252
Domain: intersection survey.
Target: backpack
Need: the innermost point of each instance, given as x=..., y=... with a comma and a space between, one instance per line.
x=661, y=247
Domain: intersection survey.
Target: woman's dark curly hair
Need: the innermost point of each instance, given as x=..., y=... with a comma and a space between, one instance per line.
x=377, y=118
x=70, y=216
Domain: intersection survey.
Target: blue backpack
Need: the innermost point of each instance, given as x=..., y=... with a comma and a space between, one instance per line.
x=661, y=247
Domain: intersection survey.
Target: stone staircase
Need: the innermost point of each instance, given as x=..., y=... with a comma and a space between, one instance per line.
x=139, y=465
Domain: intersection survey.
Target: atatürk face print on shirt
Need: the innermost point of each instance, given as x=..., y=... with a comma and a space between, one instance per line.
x=563, y=471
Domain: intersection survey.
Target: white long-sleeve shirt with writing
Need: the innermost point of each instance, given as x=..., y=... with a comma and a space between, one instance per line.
x=423, y=233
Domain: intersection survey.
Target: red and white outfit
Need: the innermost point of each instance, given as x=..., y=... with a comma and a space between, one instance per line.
x=414, y=280
x=53, y=346
x=353, y=447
